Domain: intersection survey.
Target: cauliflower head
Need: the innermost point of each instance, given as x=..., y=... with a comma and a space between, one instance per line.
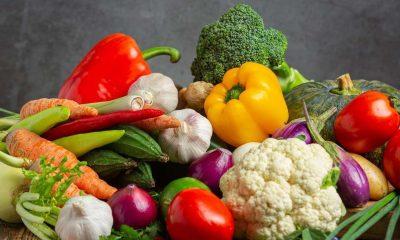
x=276, y=188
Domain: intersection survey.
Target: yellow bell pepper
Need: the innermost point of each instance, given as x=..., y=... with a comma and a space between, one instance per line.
x=247, y=106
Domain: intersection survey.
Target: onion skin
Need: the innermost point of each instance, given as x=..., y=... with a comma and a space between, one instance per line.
x=353, y=186
x=133, y=206
x=210, y=167
x=295, y=129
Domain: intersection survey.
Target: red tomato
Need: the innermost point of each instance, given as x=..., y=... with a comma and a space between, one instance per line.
x=197, y=214
x=366, y=123
x=391, y=161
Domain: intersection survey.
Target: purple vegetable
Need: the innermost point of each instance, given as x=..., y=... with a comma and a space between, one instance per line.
x=211, y=166
x=298, y=128
x=133, y=206
x=353, y=186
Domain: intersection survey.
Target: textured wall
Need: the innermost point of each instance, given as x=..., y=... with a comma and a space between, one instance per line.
x=42, y=40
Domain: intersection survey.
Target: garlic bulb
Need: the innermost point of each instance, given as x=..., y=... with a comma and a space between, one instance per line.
x=84, y=218
x=189, y=141
x=157, y=90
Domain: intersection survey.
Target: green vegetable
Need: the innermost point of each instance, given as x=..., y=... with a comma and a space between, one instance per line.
x=176, y=186
x=108, y=164
x=321, y=96
x=141, y=176
x=3, y=147
x=237, y=37
x=127, y=233
x=392, y=223
x=7, y=122
x=38, y=208
x=83, y=143
x=41, y=122
x=331, y=178
x=7, y=112
x=138, y=144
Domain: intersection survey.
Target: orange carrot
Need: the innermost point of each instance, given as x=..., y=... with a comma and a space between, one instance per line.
x=158, y=123
x=77, y=111
x=23, y=143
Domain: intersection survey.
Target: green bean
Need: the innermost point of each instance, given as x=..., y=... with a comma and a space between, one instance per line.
x=368, y=214
x=82, y=143
x=346, y=222
x=371, y=222
x=392, y=223
x=40, y=122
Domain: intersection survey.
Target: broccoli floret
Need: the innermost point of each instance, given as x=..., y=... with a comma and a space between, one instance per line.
x=238, y=36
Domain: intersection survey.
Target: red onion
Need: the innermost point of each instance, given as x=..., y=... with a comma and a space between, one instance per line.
x=353, y=186
x=211, y=166
x=298, y=128
x=133, y=206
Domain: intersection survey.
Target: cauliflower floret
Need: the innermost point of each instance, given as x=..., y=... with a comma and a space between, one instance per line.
x=277, y=186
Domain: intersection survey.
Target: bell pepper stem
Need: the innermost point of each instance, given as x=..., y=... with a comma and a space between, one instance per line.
x=174, y=53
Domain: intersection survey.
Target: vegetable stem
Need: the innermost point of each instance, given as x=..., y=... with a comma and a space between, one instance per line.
x=28, y=196
x=14, y=161
x=368, y=214
x=7, y=122
x=374, y=219
x=7, y=112
x=27, y=215
x=51, y=219
x=392, y=223
x=120, y=104
x=162, y=50
x=33, y=228
x=35, y=208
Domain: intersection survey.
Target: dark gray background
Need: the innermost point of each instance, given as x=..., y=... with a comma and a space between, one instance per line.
x=42, y=41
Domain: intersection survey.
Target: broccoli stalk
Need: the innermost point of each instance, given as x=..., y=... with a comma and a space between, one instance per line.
x=237, y=37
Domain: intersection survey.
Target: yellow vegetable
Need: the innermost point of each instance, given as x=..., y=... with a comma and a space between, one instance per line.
x=247, y=106
x=378, y=184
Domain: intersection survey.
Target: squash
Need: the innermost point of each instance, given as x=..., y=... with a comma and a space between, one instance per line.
x=321, y=96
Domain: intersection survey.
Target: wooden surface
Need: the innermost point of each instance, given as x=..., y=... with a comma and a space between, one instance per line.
x=15, y=232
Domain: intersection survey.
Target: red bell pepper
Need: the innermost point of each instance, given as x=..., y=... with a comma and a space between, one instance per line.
x=366, y=123
x=100, y=122
x=109, y=69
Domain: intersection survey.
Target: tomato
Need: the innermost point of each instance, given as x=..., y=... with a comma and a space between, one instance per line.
x=198, y=214
x=391, y=161
x=366, y=123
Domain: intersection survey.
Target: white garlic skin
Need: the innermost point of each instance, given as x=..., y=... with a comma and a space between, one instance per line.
x=157, y=90
x=84, y=218
x=188, y=142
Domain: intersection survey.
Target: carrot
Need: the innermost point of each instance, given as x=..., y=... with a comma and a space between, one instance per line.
x=158, y=123
x=25, y=144
x=77, y=111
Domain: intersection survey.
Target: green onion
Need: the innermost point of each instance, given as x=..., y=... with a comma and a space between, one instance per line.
x=119, y=104
x=346, y=222
x=392, y=223
x=371, y=222
x=7, y=112
x=368, y=214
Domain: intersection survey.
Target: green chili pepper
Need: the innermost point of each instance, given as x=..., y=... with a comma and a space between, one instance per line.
x=41, y=122
x=80, y=144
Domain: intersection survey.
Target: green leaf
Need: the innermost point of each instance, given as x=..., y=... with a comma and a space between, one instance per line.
x=127, y=233
x=141, y=176
x=331, y=178
x=306, y=234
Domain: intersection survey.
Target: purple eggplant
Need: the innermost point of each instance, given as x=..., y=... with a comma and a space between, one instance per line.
x=353, y=186
x=298, y=127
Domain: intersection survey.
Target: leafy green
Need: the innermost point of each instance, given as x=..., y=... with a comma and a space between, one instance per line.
x=39, y=207
x=306, y=234
x=331, y=178
x=127, y=233
x=141, y=176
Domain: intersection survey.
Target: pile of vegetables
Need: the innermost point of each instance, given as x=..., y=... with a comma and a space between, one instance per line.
x=250, y=150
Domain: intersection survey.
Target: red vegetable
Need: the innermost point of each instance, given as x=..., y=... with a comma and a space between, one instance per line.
x=391, y=161
x=366, y=123
x=100, y=122
x=109, y=69
x=133, y=206
x=198, y=214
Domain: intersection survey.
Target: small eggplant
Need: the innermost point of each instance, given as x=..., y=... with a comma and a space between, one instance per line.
x=298, y=127
x=353, y=186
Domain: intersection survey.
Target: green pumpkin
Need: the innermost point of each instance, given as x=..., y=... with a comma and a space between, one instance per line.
x=321, y=96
